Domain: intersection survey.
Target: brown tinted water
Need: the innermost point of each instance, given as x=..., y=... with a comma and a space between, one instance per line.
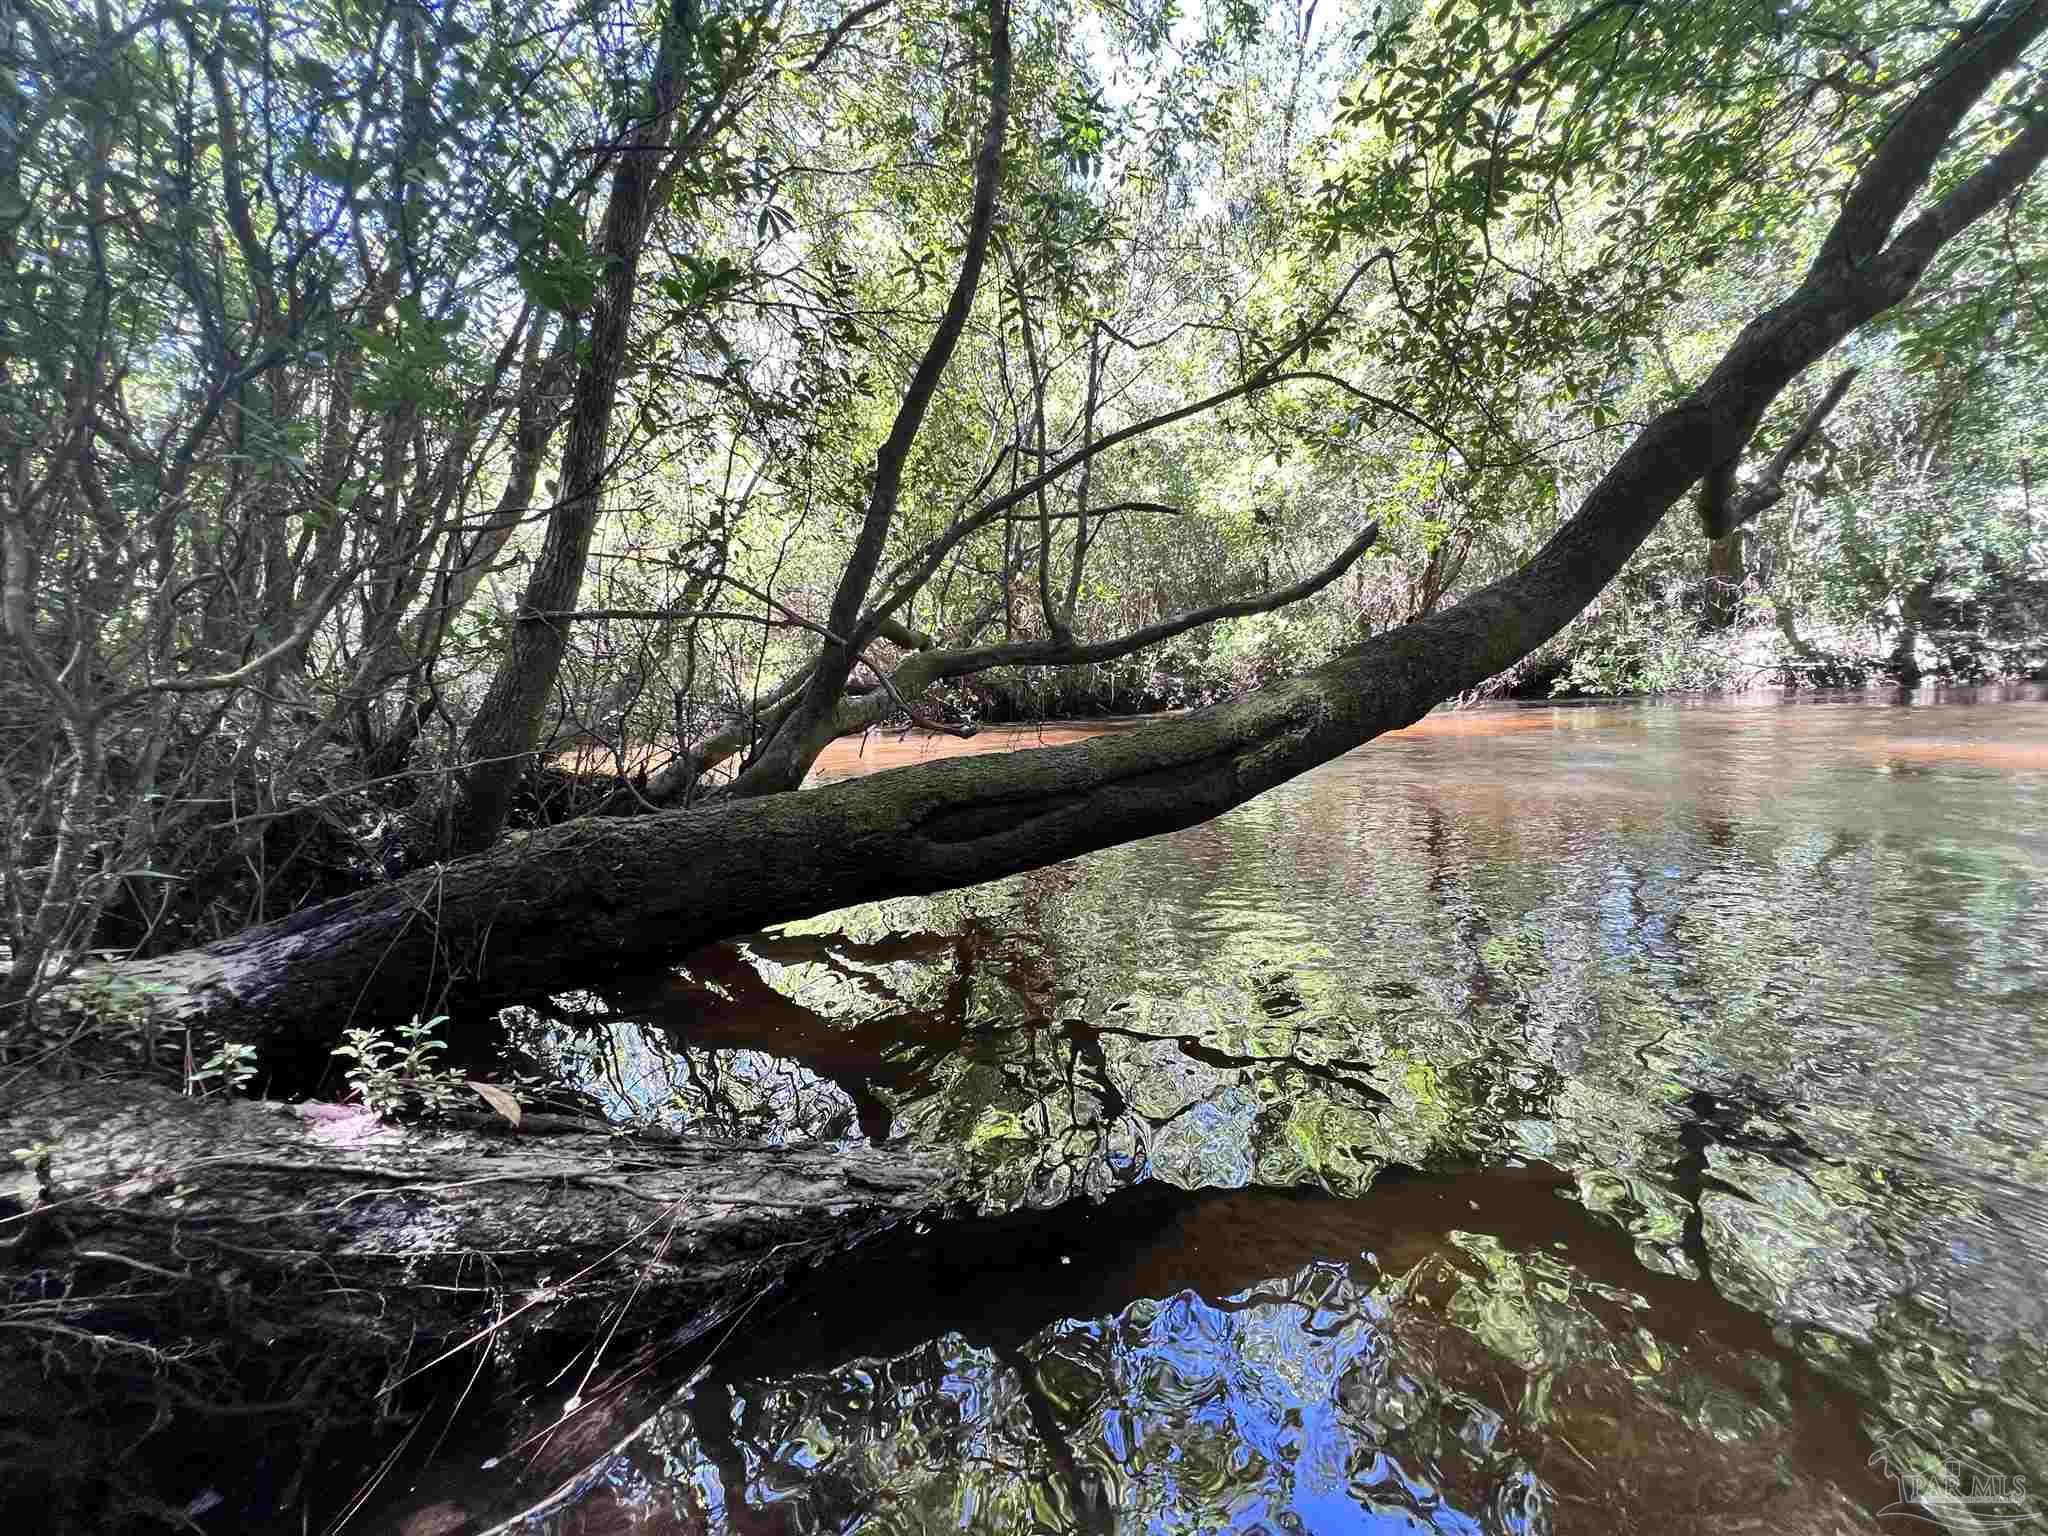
x=1618, y=1118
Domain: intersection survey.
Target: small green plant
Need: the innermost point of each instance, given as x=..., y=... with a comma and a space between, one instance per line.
x=232, y=1066
x=123, y=1014
x=394, y=1070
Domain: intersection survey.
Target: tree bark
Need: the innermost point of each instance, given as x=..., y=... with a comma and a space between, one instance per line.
x=1727, y=573
x=256, y=1277
x=539, y=908
x=507, y=724
x=438, y=1225
x=1905, y=658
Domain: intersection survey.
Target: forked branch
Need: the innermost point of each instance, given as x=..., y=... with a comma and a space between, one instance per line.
x=1722, y=511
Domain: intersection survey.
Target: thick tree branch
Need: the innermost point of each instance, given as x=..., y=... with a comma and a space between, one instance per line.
x=837, y=35
x=1987, y=46
x=783, y=764
x=1722, y=511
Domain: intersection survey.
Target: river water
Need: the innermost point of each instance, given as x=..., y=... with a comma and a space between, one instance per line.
x=1602, y=1118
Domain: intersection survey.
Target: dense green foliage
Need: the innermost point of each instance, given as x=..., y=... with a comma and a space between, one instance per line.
x=301, y=304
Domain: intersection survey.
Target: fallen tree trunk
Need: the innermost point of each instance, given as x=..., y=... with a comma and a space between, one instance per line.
x=179, y=1263
x=530, y=913
x=441, y=1224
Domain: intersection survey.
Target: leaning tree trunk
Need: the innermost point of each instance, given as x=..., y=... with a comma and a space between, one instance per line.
x=508, y=723
x=225, y=1208
x=529, y=914
x=809, y=726
x=571, y=1216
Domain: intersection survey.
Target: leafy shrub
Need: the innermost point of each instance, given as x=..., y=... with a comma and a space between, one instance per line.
x=394, y=1071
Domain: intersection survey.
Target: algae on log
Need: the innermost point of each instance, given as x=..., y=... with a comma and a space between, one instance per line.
x=166, y=1256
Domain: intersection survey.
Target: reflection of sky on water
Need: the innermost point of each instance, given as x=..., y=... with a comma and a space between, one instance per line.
x=1473, y=1389
x=1769, y=984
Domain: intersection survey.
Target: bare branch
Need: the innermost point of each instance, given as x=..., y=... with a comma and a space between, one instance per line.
x=214, y=682
x=838, y=34
x=1063, y=652
x=909, y=575
x=788, y=620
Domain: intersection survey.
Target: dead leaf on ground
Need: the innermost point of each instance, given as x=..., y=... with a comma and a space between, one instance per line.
x=499, y=1099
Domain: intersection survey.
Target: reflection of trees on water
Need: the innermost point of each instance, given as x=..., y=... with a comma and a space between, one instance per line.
x=632, y=1076
x=1468, y=1383
x=1768, y=1019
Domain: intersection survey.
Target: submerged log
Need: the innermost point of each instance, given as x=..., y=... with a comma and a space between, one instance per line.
x=178, y=1260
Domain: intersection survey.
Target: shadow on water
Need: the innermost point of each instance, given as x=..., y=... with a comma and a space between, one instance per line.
x=1601, y=1118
